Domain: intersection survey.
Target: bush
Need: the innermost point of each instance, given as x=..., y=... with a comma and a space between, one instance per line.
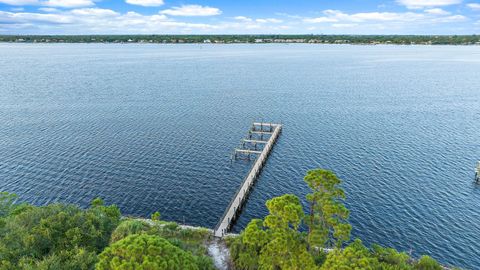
x=46, y=235
x=427, y=263
x=145, y=252
x=75, y=259
x=127, y=228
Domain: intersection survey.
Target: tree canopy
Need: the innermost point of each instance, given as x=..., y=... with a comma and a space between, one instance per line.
x=277, y=241
x=40, y=237
x=142, y=252
x=327, y=221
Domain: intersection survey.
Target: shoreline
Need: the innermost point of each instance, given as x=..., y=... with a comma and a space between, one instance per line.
x=248, y=43
x=470, y=40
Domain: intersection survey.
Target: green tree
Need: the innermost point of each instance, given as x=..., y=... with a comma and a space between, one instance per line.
x=327, y=220
x=276, y=241
x=427, y=263
x=39, y=233
x=145, y=252
x=354, y=256
x=156, y=216
x=7, y=201
x=97, y=202
x=127, y=228
x=75, y=259
x=389, y=257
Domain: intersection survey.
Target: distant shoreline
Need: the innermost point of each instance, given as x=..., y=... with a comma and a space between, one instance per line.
x=249, y=39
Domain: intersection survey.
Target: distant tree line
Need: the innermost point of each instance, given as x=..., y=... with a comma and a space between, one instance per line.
x=329, y=39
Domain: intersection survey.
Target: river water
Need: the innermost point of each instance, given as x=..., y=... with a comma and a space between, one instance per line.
x=152, y=127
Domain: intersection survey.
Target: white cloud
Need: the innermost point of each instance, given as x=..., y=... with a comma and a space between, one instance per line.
x=339, y=16
x=19, y=2
x=384, y=16
x=51, y=3
x=98, y=12
x=100, y=21
x=421, y=22
x=91, y=20
x=435, y=15
x=192, y=10
x=344, y=25
x=260, y=20
x=27, y=17
x=49, y=9
x=417, y=4
x=474, y=6
x=68, y=3
x=268, y=20
x=437, y=11
x=243, y=19
x=449, y=19
x=146, y=3
x=320, y=20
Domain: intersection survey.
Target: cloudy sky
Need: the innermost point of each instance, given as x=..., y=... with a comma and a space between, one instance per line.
x=239, y=16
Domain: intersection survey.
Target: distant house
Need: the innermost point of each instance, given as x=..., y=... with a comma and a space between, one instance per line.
x=207, y=41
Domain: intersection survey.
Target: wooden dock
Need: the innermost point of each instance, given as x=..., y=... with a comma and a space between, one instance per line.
x=238, y=199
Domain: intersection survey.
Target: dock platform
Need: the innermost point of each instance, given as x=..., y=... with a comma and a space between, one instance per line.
x=238, y=199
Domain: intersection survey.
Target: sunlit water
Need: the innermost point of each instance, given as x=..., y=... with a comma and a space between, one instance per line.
x=152, y=127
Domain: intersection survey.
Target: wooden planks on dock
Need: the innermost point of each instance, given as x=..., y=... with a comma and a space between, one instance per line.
x=238, y=199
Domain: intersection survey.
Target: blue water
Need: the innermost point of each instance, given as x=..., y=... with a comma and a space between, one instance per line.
x=152, y=127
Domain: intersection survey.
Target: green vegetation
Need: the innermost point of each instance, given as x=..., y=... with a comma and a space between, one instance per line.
x=42, y=237
x=329, y=39
x=65, y=237
x=143, y=251
x=327, y=221
x=277, y=243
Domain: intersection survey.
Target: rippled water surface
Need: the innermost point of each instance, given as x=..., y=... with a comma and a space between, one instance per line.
x=152, y=127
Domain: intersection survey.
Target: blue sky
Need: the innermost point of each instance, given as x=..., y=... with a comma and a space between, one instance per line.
x=239, y=17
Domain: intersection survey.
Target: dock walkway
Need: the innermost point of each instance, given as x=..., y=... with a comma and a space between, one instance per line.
x=238, y=199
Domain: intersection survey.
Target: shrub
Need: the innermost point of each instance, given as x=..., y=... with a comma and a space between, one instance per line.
x=127, y=228
x=145, y=252
x=39, y=236
x=427, y=263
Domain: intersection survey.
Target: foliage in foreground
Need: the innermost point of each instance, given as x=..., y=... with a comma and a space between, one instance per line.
x=55, y=235
x=188, y=240
x=142, y=251
x=64, y=237
x=277, y=243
